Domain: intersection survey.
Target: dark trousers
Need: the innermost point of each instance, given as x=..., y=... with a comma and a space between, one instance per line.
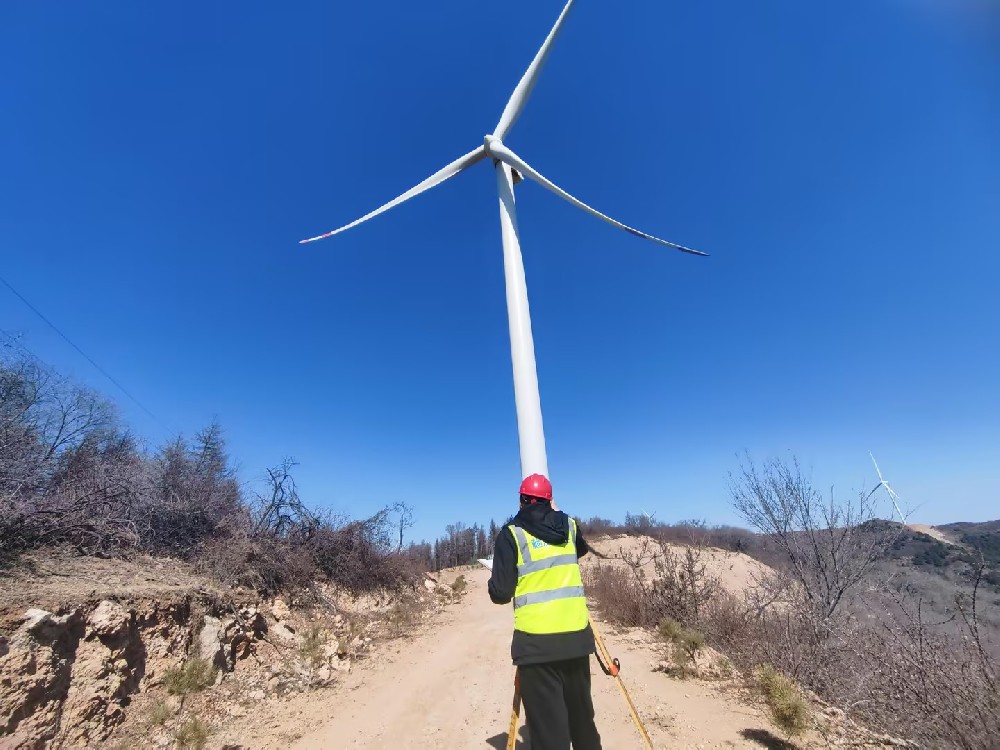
x=558, y=708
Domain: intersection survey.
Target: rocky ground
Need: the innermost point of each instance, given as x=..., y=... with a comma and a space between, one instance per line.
x=147, y=652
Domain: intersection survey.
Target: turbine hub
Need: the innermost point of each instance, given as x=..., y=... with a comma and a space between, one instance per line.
x=488, y=142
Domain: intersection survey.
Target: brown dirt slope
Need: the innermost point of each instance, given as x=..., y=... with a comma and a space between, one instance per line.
x=932, y=532
x=57, y=581
x=735, y=571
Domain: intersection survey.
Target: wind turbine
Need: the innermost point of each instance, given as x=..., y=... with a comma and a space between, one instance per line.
x=892, y=493
x=511, y=169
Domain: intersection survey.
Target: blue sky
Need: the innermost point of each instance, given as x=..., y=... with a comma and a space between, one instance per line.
x=840, y=162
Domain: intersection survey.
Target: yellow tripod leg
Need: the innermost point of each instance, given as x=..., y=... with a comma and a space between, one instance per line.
x=612, y=668
x=515, y=711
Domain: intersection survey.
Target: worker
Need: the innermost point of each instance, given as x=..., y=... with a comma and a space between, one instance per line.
x=535, y=563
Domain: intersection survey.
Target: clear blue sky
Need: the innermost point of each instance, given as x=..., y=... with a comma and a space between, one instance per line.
x=840, y=161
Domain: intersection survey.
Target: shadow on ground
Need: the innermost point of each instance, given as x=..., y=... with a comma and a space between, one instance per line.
x=499, y=741
x=766, y=739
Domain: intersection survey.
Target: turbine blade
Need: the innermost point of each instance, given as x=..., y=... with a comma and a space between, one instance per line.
x=507, y=156
x=515, y=105
x=434, y=180
x=880, y=479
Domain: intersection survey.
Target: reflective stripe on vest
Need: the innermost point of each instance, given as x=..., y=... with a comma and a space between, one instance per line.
x=549, y=597
x=567, y=592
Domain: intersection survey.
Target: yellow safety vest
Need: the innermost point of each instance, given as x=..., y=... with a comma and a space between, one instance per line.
x=549, y=595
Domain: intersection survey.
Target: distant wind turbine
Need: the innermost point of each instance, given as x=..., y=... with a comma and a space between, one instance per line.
x=511, y=169
x=892, y=493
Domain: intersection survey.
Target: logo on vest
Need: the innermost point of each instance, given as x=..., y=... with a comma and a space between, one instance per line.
x=537, y=543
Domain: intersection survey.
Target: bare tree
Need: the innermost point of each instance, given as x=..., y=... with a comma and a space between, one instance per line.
x=280, y=510
x=933, y=679
x=829, y=545
x=68, y=473
x=405, y=521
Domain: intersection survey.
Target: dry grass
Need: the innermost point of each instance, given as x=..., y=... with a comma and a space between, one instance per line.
x=403, y=616
x=686, y=643
x=192, y=676
x=159, y=714
x=192, y=734
x=459, y=584
x=312, y=647
x=788, y=707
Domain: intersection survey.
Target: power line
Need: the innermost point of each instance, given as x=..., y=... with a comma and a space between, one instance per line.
x=83, y=354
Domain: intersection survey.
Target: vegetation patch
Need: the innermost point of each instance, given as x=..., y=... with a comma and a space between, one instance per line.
x=192, y=676
x=784, y=700
x=192, y=734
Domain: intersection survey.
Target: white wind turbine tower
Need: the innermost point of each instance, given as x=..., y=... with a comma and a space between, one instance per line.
x=511, y=169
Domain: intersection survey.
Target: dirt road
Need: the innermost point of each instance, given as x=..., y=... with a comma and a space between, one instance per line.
x=451, y=687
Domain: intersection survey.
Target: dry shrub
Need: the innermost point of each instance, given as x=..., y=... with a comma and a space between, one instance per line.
x=620, y=597
x=459, y=584
x=686, y=643
x=192, y=676
x=311, y=648
x=680, y=587
x=403, y=616
x=788, y=707
x=71, y=475
x=924, y=680
x=192, y=734
x=687, y=638
x=259, y=564
x=888, y=665
x=159, y=714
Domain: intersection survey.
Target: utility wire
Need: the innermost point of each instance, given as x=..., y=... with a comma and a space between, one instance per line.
x=83, y=354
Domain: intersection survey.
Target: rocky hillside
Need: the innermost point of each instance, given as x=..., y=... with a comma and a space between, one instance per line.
x=96, y=653
x=941, y=563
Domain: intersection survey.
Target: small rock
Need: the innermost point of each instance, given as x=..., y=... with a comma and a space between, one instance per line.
x=210, y=642
x=342, y=665
x=108, y=619
x=34, y=618
x=42, y=624
x=429, y=584
x=256, y=695
x=285, y=633
x=280, y=610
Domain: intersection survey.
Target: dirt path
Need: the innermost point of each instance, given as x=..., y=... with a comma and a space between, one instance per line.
x=451, y=687
x=931, y=532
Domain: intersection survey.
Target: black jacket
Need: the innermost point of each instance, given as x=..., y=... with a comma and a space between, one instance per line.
x=550, y=526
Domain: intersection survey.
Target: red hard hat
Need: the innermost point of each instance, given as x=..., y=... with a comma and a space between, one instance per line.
x=537, y=485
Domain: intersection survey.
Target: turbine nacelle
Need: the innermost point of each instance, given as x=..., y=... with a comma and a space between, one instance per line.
x=495, y=149
x=488, y=141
